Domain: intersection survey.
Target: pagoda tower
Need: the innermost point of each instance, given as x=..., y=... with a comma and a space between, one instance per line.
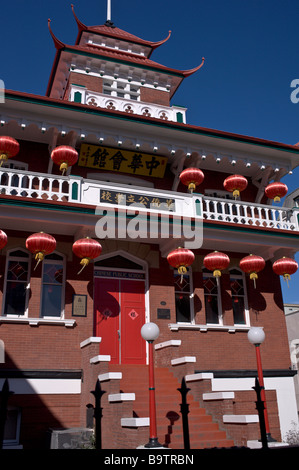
x=112, y=69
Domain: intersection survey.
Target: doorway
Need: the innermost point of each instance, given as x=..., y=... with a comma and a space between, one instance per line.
x=119, y=308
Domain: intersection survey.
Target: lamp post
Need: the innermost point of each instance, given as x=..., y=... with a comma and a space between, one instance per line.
x=256, y=336
x=150, y=332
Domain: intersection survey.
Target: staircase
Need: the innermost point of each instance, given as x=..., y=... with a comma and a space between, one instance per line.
x=203, y=431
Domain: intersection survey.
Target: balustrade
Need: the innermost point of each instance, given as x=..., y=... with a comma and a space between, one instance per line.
x=75, y=189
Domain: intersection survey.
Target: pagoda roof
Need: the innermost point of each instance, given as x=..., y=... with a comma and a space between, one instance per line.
x=118, y=55
x=110, y=30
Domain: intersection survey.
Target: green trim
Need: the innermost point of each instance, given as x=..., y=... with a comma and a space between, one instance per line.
x=208, y=133
x=92, y=211
x=237, y=228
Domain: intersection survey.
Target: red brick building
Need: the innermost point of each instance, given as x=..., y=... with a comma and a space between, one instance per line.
x=61, y=330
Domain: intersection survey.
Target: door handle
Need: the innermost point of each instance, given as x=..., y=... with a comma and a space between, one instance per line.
x=118, y=334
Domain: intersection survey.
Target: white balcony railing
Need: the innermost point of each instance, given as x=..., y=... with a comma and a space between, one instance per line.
x=248, y=213
x=75, y=189
x=100, y=100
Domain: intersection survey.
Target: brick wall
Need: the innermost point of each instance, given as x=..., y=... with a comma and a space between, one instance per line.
x=150, y=95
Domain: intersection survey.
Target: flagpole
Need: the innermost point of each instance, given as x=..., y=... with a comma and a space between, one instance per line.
x=108, y=10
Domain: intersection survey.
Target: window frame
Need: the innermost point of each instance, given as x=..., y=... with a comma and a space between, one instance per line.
x=245, y=296
x=206, y=273
x=190, y=295
x=62, y=306
x=16, y=258
x=14, y=443
x=113, y=88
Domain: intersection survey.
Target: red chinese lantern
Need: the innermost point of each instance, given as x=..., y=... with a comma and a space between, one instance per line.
x=180, y=259
x=9, y=147
x=40, y=244
x=3, y=239
x=87, y=249
x=191, y=177
x=285, y=267
x=216, y=262
x=276, y=190
x=251, y=265
x=65, y=156
x=234, y=184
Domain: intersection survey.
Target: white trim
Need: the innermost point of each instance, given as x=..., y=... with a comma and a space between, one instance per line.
x=100, y=358
x=91, y=340
x=183, y=360
x=119, y=397
x=199, y=376
x=110, y=376
x=36, y=321
x=218, y=396
x=16, y=258
x=285, y=392
x=245, y=296
x=44, y=386
x=62, y=262
x=134, y=422
x=166, y=344
x=205, y=273
x=240, y=419
x=209, y=326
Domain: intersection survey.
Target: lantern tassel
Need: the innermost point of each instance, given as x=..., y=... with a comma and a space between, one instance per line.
x=3, y=157
x=39, y=256
x=84, y=263
x=182, y=270
x=236, y=193
x=253, y=276
x=63, y=168
x=286, y=278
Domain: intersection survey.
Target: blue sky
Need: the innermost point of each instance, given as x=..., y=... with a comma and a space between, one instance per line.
x=251, y=50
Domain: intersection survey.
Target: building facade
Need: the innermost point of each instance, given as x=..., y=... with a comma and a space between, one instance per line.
x=63, y=328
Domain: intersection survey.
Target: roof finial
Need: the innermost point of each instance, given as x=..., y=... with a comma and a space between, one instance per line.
x=108, y=10
x=108, y=21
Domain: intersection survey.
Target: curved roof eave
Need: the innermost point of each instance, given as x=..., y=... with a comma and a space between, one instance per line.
x=110, y=30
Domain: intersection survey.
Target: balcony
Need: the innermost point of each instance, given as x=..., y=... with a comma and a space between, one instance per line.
x=103, y=195
x=80, y=94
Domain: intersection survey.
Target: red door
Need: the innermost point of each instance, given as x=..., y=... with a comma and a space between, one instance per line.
x=119, y=315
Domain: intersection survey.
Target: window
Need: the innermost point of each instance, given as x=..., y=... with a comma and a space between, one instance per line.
x=238, y=296
x=16, y=283
x=52, y=295
x=121, y=89
x=12, y=427
x=212, y=298
x=183, y=297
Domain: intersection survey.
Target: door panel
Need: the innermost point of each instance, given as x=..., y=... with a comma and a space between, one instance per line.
x=132, y=319
x=119, y=315
x=107, y=310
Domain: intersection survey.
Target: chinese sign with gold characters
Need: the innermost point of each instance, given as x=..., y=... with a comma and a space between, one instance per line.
x=134, y=199
x=125, y=161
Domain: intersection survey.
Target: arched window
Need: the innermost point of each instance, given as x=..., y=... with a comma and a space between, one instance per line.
x=239, y=298
x=183, y=296
x=16, y=286
x=53, y=282
x=212, y=298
